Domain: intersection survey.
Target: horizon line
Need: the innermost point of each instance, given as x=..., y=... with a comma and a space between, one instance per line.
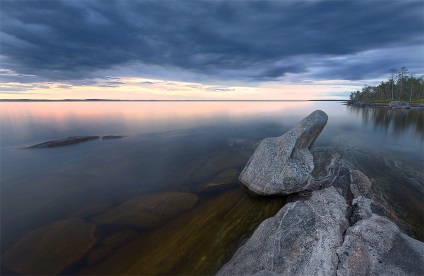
x=113, y=100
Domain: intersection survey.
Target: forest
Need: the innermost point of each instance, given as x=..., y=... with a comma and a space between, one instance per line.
x=401, y=86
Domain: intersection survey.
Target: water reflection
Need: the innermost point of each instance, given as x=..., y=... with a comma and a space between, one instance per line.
x=394, y=121
x=24, y=123
x=170, y=147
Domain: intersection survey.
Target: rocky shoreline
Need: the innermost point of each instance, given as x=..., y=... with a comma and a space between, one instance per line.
x=337, y=230
x=392, y=105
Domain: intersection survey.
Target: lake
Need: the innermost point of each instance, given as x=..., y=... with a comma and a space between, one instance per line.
x=97, y=191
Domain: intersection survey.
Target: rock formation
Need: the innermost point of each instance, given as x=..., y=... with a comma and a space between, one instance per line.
x=334, y=232
x=148, y=211
x=375, y=246
x=64, y=142
x=306, y=236
x=40, y=252
x=301, y=239
x=282, y=165
x=72, y=140
x=399, y=105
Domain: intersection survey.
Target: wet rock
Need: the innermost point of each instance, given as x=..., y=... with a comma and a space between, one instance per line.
x=399, y=105
x=64, y=142
x=375, y=246
x=148, y=211
x=51, y=249
x=223, y=181
x=110, y=137
x=98, y=254
x=282, y=165
x=119, y=239
x=300, y=240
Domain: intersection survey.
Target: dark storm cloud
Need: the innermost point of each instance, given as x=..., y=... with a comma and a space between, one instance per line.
x=255, y=40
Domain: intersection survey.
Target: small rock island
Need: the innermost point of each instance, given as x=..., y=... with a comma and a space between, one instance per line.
x=333, y=230
x=72, y=140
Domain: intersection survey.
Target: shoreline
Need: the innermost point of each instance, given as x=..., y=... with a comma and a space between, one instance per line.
x=369, y=104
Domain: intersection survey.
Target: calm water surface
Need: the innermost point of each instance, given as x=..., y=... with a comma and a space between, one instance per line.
x=177, y=146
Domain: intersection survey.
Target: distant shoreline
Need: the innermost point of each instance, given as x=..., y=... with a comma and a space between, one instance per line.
x=106, y=100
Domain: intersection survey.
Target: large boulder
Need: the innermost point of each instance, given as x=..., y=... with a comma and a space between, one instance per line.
x=282, y=165
x=148, y=211
x=301, y=239
x=375, y=246
x=51, y=249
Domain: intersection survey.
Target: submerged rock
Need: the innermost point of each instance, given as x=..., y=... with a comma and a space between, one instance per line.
x=300, y=240
x=119, y=239
x=110, y=137
x=64, y=142
x=221, y=182
x=375, y=246
x=198, y=242
x=51, y=249
x=233, y=157
x=399, y=105
x=282, y=165
x=98, y=254
x=148, y=211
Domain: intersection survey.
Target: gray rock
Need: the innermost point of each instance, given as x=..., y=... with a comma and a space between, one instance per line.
x=375, y=246
x=64, y=142
x=399, y=105
x=360, y=184
x=282, y=165
x=361, y=209
x=300, y=240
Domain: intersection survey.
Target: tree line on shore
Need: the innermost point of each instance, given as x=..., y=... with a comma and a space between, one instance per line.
x=402, y=86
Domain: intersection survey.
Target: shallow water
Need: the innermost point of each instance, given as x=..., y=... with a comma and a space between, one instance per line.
x=177, y=146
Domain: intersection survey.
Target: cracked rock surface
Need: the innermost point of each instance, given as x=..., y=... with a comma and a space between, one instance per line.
x=301, y=239
x=375, y=246
x=313, y=237
x=340, y=230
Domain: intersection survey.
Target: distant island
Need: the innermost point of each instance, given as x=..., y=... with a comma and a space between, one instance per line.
x=402, y=86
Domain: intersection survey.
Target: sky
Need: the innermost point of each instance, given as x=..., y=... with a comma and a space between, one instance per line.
x=204, y=50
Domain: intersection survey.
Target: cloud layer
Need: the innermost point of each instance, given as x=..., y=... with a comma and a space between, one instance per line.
x=252, y=41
